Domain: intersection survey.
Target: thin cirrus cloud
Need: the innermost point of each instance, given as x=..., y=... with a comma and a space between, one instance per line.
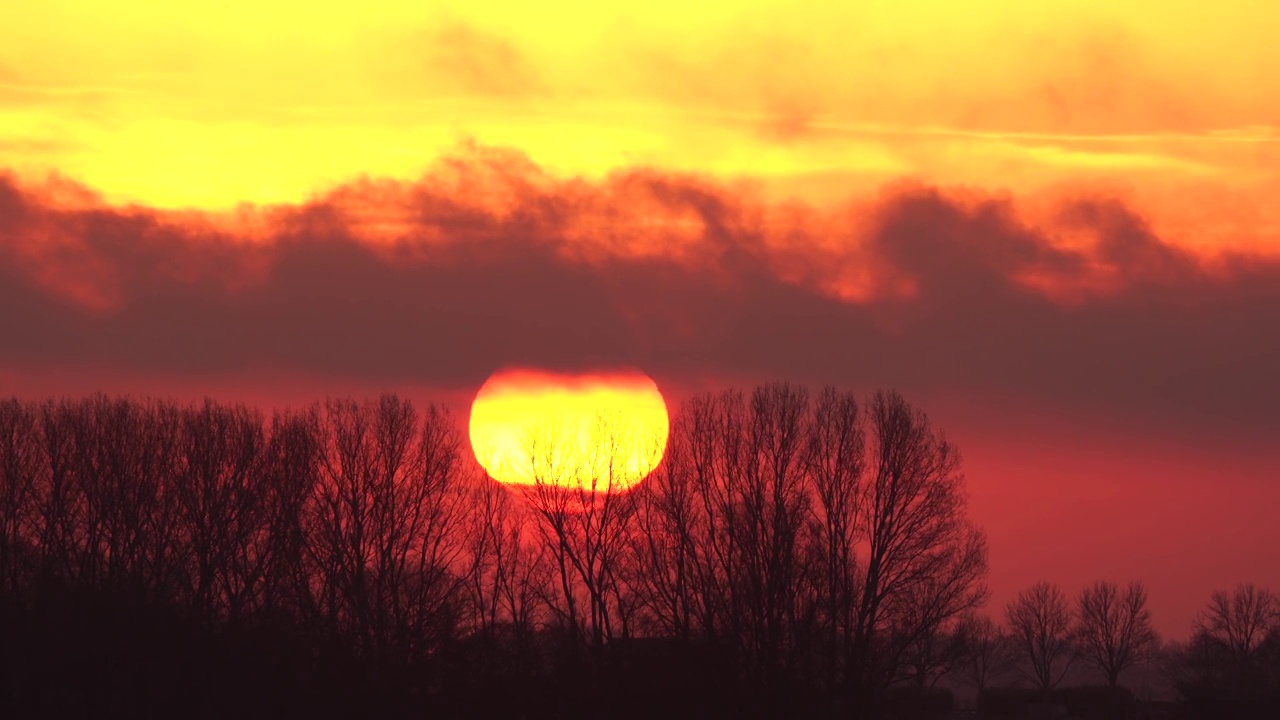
x=490, y=261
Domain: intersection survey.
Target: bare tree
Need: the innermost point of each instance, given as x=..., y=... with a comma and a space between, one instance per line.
x=579, y=495
x=60, y=507
x=20, y=465
x=989, y=652
x=770, y=509
x=929, y=655
x=778, y=524
x=669, y=525
x=1231, y=666
x=1041, y=622
x=1239, y=622
x=223, y=512
x=713, y=426
x=508, y=570
x=811, y=536
x=124, y=466
x=925, y=562
x=1113, y=628
x=384, y=527
x=290, y=478
x=836, y=464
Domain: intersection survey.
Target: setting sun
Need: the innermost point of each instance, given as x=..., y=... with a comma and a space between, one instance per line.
x=591, y=431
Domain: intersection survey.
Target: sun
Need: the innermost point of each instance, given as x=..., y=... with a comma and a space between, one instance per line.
x=598, y=431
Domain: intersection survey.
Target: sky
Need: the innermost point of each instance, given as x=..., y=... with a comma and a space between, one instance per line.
x=1054, y=226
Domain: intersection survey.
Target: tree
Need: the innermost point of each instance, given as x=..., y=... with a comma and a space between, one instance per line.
x=20, y=465
x=508, y=573
x=1041, y=622
x=384, y=528
x=669, y=527
x=988, y=651
x=222, y=506
x=837, y=460
x=1239, y=623
x=931, y=654
x=579, y=498
x=290, y=477
x=924, y=562
x=124, y=459
x=768, y=512
x=802, y=532
x=1231, y=667
x=1113, y=628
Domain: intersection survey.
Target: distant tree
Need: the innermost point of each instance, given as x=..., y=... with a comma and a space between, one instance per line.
x=60, y=509
x=934, y=653
x=1231, y=666
x=1239, y=622
x=1040, y=620
x=1113, y=628
x=989, y=652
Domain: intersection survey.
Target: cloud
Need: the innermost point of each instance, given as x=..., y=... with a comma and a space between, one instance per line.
x=481, y=62
x=488, y=261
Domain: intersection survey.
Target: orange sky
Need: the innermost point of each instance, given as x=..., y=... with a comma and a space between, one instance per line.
x=805, y=171
x=1169, y=103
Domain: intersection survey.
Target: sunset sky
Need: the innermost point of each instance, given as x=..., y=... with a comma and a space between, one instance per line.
x=1055, y=226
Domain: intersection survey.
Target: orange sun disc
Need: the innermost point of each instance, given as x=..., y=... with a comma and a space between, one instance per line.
x=603, y=431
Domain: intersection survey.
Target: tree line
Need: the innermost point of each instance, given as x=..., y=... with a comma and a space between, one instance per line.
x=793, y=553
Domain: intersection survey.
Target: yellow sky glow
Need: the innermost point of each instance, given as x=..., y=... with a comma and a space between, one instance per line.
x=213, y=105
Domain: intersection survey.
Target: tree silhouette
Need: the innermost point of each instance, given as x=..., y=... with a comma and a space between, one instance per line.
x=776, y=526
x=791, y=549
x=988, y=651
x=20, y=461
x=1113, y=628
x=1231, y=666
x=836, y=457
x=1241, y=621
x=222, y=507
x=383, y=527
x=925, y=562
x=1041, y=622
x=584, y=514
